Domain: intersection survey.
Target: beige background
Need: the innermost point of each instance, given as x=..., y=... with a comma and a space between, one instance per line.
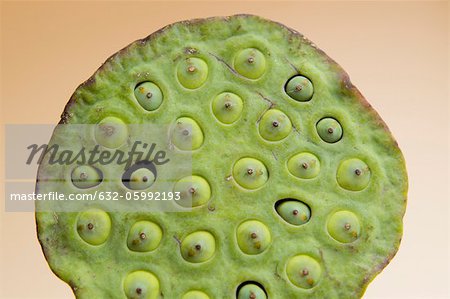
x=395, y=52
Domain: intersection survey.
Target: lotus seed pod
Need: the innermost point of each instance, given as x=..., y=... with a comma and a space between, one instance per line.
x=192, y=72
x=144, y=236
x=194, y=191
x=353, y=174
x=111, y=132
x=304, y=271
x=198, y=247
x=329, y=130
x=250, y=63
x=94, y=226
x=86, y=176
x=304, y=166
x=148, y=95
x=221, y=84
x=195, y=295
x=250, y=173
x=294, y=212
x=141, y=285
x=251, y=291
x=253, y=237
x=187, y=134
x=227, y=107
x=274, y=125
x=300, y=88
x=344, y=226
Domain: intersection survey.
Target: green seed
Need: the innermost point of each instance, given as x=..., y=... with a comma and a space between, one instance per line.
x=344, y=226
x=111, y=132
x=141, y=285
x=227, y=107
x=144, y=236
x=251, y=291
x=192, y=72
x=329, y=130
x=253, y=237
x=195, y=295
x=274, y=125
x=194, y=191
x=86, y=176
x=299, y=88
x=250, y=173
x=94, y=226
x=187, y=134
x=294, y=212
x=141, y=179
x=148, y=95
x=250, y=63
x=304, y=165
x=304, y=271
x=198, y=247
x=353, y=174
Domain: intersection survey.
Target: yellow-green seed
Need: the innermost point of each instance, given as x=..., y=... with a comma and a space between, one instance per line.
x=304, y=271
x=94, y=226
x=353, y=174
x=227, y=107
x=194, y=191
x=111, y=132
x=304, y=165
x=343, y=226
x=192, y=72
x=187, y=134
x=274, y=125
x=250, y=173
x=250, y=63
x=253, y=237
x=144, y=236
x=141, y=285
x=86, y=176
x=198, y=247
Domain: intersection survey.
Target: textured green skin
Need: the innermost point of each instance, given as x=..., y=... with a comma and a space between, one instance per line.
x=99, y=271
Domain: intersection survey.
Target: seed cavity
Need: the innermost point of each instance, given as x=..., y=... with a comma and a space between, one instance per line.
x=344, y=227
x=304, y=165
x=94, y=226
x=250, y=63
x=293, y=211
x=192, y=72
x=251, y=290
x=194, y=191
x=299, y=88
x=329, y=130
x=250, y=173
x=227, y=107
x=144, y=236
x=198, y=247
x=141, y=284
x=140, y=176
x=148, y=95
x=303, y=271
x=86, y=176
x=353, y=174
x=274, y=125
x=187, y=134
x=111, y=132
x=253, y=237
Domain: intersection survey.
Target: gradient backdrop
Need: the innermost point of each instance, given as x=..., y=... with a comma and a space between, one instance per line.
x=395, y=52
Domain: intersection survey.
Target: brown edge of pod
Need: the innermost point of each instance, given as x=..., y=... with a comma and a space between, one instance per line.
x=345, y=84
